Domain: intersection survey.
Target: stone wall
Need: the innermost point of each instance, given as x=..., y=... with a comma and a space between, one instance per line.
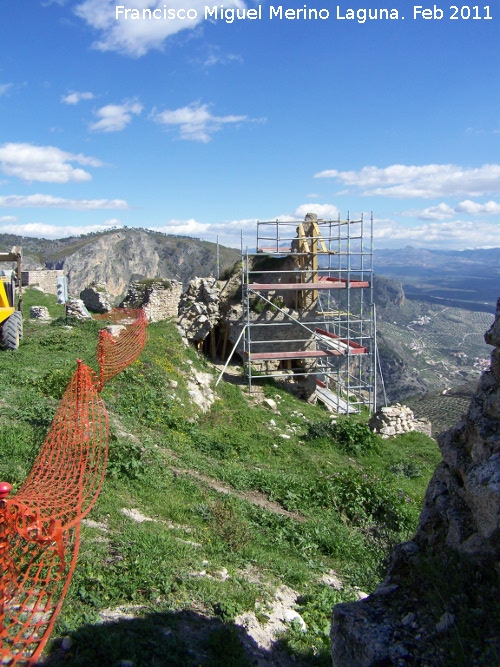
x=199, y=309
x=444, y=582
x=397, y=419
x=159, y=298
x=43, y=279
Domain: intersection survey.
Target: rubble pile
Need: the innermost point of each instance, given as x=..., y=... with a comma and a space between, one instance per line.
x=397, y=419
x=76, y=308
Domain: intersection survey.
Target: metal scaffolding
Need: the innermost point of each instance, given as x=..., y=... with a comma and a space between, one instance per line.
x=308, y=299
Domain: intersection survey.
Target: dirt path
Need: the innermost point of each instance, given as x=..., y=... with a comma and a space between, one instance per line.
x=255, y=497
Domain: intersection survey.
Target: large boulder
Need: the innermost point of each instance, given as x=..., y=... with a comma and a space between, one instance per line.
x=97, y=298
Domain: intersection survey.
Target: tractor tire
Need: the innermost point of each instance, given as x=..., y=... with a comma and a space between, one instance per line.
x=19, y=316
x=10, y=333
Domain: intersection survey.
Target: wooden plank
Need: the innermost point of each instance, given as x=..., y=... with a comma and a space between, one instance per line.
x=355, y=348
x=332, y=400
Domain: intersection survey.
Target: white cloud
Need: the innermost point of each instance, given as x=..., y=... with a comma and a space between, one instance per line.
x=444, y=211
x=229, y=232
x=4, y=88
x=325, y=211
x=427, y=181
x=74, y=98
x=135, y=37
x=183, y=227
x=115, y=117
x=195, y=122
x=219, y=59
x=48, y=201
x=457, y=234
x=44, y=230
x=440, y=212
x=468, y=206
x=44, y=163
x=8, y=218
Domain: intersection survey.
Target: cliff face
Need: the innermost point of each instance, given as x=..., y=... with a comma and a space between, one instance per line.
x=439, y=603
x=125, y=255
x=121, y=256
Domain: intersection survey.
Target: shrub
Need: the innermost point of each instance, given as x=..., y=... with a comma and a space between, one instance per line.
x=364, y=498
x=125, y=460
x=350, y=436
x=409, y=469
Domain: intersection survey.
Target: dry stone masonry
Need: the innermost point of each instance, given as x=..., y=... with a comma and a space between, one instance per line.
x=445, y=581
x=395, y=420
x=39, y=313
x=43, y=279
x=199, y=310
x=159, y=298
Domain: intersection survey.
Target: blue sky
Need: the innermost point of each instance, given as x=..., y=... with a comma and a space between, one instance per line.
x=201, y=126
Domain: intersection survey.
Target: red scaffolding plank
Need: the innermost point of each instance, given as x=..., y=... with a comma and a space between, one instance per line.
x=325, y=283
x=299, y=354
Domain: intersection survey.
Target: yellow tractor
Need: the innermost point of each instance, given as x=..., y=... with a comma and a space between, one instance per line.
x=11, y=317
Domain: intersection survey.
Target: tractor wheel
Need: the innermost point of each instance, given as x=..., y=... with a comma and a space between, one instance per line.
x=19, y=316
x=10, y=333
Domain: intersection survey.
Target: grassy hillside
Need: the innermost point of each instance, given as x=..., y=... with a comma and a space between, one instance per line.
x=208, y=516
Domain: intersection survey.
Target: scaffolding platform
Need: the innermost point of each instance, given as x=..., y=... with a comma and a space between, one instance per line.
x=333, y=401
x=324, y=284
x=314, y=305
x=299, y=354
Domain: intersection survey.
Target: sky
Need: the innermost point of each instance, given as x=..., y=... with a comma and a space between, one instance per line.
x=200, y=119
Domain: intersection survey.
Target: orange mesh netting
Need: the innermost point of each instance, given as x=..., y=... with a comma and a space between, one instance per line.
x=116, y=353
x=39, y=526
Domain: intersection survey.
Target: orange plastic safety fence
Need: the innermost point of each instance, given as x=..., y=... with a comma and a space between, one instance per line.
x=40, y=525
x=116, y=352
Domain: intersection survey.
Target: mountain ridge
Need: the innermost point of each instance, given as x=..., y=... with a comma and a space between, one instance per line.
x=122, y=255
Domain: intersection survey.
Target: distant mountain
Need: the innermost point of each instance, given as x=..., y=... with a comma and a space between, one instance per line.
x=119, y=256
x=461, y=278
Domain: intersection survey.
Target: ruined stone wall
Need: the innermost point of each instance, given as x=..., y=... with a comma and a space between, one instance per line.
x=43, y=279
x=160, y=299
x=199, y=308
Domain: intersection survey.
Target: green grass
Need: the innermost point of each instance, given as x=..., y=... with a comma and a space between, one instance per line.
x=350, y=504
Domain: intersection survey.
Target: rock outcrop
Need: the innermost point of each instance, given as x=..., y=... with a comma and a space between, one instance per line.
x=119, y=257
x=97, y=298
x=439, y=602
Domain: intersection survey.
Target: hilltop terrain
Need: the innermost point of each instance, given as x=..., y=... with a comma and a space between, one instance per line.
x=427, y=345
x=120, y=256
x=214, y=527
